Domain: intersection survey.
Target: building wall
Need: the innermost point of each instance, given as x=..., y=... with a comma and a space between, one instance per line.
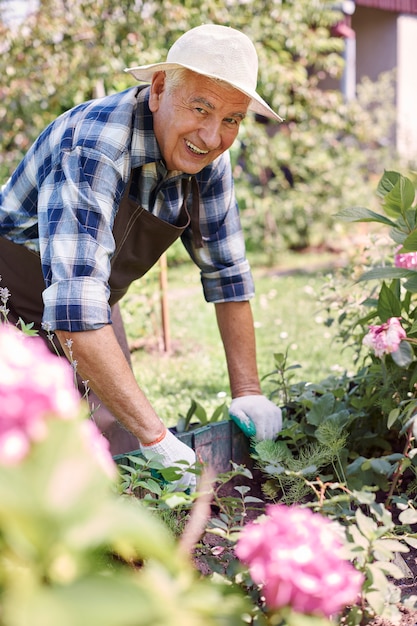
x=407, y=87
x=376, y=41
x=386, y=41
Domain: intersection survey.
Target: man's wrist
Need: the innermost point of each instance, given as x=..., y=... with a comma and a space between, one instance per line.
x=155, y=441
x=247, y=391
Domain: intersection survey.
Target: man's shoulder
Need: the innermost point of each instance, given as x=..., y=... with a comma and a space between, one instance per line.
x=116, y=109
x=103, y=124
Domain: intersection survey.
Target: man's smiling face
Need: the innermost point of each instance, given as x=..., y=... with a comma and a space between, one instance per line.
x=195, y=121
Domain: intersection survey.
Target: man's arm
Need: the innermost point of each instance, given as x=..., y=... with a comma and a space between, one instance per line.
x=236, y=328
x=101, y=361
x=256, y=415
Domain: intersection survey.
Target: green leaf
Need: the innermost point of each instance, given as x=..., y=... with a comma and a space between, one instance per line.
x=390, y=569
x=392, y=417
x=299, y=619
x=27, y=328
x=252, y=499
x=359, y=539
x=387, y=273
x=397, y=192
x=242, y=489
x=388, y=304
x=387, y=183
x=392, y=545
x=356, y=465
x=181, y=424
x=151, y=485
x=381, y=466
x=409, y=516
x=410, y=243
x=411, y=283
x=174, y=500
x=366, y=525
x=364, y=497
x=220, y=413
x=279, y=359
x=95, y=599
x=401, y=196
x=199, y=412
x=308, y=471
x=404, y=355
x=360, y=214
x=322, y=408
x=411, y=542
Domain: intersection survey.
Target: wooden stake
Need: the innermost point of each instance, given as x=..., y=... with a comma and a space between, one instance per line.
x=163, y=284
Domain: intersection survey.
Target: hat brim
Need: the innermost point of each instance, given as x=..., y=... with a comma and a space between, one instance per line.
x=144, y=74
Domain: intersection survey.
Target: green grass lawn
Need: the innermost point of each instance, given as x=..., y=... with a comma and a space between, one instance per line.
x=287, y=314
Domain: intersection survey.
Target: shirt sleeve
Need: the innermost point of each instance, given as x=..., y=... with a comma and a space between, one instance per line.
x=224, y=269
x=76, y=208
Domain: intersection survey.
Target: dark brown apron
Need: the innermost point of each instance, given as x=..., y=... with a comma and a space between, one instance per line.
x=140, y=238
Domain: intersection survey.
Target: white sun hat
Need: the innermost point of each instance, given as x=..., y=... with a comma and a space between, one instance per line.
x=218, y=52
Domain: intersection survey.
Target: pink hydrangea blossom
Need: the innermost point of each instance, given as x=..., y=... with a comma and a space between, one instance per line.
x=100, y=447
x=385, y=338
x=408, y=260
x=33, y=384
x=296, y=555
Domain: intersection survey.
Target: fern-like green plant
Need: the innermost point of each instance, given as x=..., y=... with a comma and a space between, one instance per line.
x=288, y=473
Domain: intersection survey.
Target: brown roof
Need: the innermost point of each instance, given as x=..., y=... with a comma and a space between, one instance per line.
x=399, y=6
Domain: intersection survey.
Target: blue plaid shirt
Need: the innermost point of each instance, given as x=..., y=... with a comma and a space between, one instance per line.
x=62, y=199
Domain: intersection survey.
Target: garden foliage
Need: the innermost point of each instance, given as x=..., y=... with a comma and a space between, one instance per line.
x=348, y=446
x=76, y=547
x=290, y=177
x=73, y=551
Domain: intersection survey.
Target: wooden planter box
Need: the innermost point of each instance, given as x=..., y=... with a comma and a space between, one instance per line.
x=215, y=444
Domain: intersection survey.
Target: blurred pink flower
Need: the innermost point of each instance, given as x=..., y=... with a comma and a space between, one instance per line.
x=408, y=260
x=296, y=555
x=33, y=384
x=100, y=447
x=385, y=338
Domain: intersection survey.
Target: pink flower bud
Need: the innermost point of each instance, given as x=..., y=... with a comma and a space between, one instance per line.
x=408, y=260
x=385, y=338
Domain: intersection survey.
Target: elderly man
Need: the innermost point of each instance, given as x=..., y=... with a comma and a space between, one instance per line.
x=104, y=190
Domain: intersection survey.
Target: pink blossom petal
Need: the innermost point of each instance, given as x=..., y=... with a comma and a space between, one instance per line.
x=295, y=555
x=385, y=338
x=13, y=447
x=34, y=385
x=98, y=445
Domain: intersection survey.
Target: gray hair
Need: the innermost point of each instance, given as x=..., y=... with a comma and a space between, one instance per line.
x=176, y=77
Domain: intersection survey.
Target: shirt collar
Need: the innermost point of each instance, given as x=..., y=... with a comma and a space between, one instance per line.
x=144, y=147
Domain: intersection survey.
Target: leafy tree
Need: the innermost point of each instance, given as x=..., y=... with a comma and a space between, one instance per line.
x=290, y=178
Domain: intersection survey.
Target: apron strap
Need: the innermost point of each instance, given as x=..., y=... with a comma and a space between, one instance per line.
x=195, y=213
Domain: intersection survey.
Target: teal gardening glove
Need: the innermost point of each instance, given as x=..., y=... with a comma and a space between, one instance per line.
x=256, y=416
